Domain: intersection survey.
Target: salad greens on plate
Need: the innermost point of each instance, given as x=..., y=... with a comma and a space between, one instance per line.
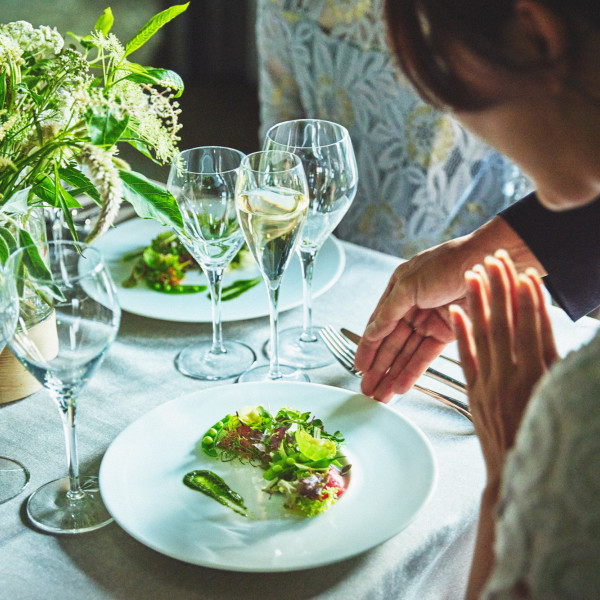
x=301, y=461
x=163, y=264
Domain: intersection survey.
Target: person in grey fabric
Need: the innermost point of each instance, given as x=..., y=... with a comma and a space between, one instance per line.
x=523, y=75
x=423, y=178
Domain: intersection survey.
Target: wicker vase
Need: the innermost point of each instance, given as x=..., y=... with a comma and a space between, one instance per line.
x=15, y=381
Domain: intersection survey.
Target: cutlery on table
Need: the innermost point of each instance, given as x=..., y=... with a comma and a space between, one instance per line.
x=339, y=346
x=430, y=372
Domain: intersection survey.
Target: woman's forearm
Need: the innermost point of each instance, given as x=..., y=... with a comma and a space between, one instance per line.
x=496, y=234
x=483, y=556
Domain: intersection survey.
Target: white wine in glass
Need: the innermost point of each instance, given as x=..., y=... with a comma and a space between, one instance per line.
x=271, y=202
x=327, y=156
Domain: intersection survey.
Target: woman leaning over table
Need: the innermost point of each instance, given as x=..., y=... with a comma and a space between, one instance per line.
x=523, y=75
x=423, y=178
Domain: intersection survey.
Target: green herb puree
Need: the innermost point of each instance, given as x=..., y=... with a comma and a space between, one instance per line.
x=210, y=484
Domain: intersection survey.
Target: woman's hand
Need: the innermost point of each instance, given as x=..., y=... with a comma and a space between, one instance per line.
x=505, y=346
x=411, y=324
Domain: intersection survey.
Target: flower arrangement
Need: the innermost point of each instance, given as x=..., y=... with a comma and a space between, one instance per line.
x=64, y=107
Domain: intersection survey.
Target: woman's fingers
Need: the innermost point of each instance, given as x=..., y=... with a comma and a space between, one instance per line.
x=528, y=352
x=501, y=313
x=479, y=313
x=466, y=344
x=511, y=273
x=408, y=366
x=548, y=344
x=389, y=351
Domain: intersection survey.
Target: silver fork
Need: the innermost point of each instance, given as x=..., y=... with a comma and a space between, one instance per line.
x=344, y=354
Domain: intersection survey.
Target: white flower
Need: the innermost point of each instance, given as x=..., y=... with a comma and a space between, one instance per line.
x=154, y=117
x=105, y=176
x=7, y=125
x=10, y=53
x=110, y=44
x=45, y=41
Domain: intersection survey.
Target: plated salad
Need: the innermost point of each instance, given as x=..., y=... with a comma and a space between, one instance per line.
x=163, y=265
x=301, y=461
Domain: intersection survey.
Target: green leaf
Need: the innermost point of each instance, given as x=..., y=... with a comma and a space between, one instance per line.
x=32, y=258
x=152, y=26
x=8, y=238
x=105, y=22
x=80, y=183
x=150, y=200
x=46, y=191
x=106, y=128
x=4, y=251
x=63, y=198
x=142, y=148
x=38, y=270
x=313, y=448
x=87, y=41
x=16, y=204
x=164, y=77
x=2, y=89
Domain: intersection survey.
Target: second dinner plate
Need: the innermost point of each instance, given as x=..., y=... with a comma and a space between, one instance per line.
x=195, y=308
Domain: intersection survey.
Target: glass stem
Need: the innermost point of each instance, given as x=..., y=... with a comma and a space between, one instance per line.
x=307, y=260
x=273, y=289
x=215, y=281
x=68, y=411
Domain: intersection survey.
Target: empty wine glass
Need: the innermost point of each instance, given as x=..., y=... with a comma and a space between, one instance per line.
x=80, y=324
x=202, y=180
x=13, y=475
x=271, y=201
x=327, y=155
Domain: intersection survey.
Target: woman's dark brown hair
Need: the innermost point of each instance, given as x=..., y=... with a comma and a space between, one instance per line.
x=422, y=32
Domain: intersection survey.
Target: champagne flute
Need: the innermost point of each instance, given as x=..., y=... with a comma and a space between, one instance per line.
x=202, y=180
x=272, y=201
x=81, y=322
x=13, y=475
x=328, y=158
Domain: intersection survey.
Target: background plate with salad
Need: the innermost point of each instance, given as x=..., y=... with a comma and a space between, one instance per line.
x=132, y=236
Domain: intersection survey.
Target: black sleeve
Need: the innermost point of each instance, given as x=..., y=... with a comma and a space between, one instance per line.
x=567, y=244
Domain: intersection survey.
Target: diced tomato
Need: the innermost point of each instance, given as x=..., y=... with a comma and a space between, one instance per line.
x=336, y=480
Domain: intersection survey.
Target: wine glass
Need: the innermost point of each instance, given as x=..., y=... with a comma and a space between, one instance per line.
x=63, y=350
x=272, y=201
x=327, y=155
x=13, y=475
x=202, y=180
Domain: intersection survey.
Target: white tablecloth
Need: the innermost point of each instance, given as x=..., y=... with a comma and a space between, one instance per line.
x=428, y=560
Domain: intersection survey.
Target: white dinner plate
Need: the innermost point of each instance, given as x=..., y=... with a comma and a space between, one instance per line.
x=392, y=477
x=195, y=308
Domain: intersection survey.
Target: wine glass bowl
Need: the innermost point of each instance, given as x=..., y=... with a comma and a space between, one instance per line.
x=80, y=323
x=327, y=155
x=14, y=476
x=272, y=202
x=202, y=180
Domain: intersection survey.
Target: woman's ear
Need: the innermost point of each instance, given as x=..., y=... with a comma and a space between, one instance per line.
x=539, y=38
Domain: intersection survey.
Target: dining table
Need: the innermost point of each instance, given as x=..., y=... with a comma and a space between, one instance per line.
x=428, y=559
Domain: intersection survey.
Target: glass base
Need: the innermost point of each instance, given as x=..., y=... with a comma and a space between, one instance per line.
x=310, y=354
x=13, y=478
x=262, y=373
x=50, y=509
x=199, y=362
